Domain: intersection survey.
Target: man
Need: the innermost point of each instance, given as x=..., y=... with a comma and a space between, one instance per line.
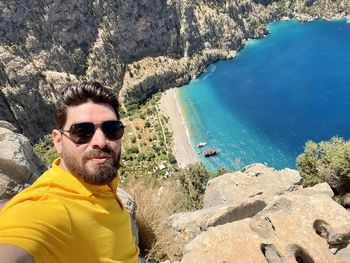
x=72, y=212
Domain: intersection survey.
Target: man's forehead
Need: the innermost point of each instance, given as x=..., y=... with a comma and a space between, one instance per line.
x=90, y=111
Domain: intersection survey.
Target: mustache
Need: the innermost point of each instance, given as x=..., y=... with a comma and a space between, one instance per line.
x=100, y=152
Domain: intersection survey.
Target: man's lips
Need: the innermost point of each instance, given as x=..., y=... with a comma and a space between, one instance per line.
x=100, y=158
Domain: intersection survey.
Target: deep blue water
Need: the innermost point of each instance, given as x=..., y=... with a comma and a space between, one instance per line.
x=279, y=92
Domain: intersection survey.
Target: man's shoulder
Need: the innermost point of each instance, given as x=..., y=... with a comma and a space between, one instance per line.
x=38, y=200
x=34, y=192
x=32, y=221
x=31, y=210
x=50, y=182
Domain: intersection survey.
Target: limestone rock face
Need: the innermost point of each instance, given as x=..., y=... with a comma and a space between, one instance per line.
x=130, y=205
x=188, y=225
x=134, y=46
x=8, y=126
x=293, y=228
x=263, y=215
x=19, y=165
x=253, y=181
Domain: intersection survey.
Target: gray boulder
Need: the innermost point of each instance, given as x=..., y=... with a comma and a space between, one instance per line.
x=19, y=165
x=187, y=225
x=254, y=180
x=234, y=197
x=301, y=226
x=7, y=125
x=264, y=215
x=131, y=206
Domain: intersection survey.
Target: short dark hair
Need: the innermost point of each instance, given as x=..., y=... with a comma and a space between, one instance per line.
x=74, y=94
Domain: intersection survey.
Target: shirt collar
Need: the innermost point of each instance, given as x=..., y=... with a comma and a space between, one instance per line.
x=78, y=185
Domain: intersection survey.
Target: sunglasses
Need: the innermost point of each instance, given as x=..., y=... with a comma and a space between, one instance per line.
x=80, y=133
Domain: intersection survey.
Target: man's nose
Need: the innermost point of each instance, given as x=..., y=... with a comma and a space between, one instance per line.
x=99, y=139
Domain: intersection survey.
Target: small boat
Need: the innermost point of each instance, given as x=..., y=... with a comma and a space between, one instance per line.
x=201, y=144
x=210, y=152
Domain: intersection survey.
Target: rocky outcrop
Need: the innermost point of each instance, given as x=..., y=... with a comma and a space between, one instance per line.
x=254, y=180
x=19, y=165
x=135, y=46
x=283, y=223
x=131, y=206
x=188, y=225
x=293, y=228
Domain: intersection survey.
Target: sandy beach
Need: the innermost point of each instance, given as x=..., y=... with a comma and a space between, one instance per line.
x=182, y=148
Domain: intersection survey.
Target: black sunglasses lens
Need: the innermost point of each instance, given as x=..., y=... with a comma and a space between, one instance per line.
x=113, y=130
x=81, y=132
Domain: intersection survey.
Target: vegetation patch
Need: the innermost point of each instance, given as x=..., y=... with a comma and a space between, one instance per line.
x=46, y=150
x=326, y=161
x=147, y=142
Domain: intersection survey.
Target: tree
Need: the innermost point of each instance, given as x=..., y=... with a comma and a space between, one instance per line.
x=327, y=161
x=193, y=180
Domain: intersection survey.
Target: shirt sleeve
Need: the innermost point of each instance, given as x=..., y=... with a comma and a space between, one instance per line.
x=41, y=227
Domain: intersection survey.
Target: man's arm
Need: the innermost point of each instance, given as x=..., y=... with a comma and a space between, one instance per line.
x=14, y=254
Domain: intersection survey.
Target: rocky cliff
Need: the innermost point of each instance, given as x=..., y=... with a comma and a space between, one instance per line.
x=134, y=46
x=263, y=215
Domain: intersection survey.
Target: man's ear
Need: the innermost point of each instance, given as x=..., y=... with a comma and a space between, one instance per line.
x=56, y=136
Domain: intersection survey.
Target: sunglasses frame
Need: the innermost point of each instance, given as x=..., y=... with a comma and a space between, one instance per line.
x=112, y=135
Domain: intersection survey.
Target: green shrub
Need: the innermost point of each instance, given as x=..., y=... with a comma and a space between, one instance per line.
x=147, y=124
x=220, y=171
x=150, y=111
x=171, y=158
x=193, y=180
x=150, y=156
x=325, y=160
x=141, y=157
x=122, y=112
x=132, y=149
x=132, y=108
x=46, y=150
x=142, y=115
x=163, y=157
x=157, y=127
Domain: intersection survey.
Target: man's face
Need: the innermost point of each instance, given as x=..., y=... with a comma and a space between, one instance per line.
x=96, y=161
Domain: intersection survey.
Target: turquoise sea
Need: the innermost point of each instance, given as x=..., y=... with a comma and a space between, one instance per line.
x=279, y=92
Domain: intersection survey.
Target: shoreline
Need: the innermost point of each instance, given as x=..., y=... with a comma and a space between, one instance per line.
x=183, y=151
x=182, y=148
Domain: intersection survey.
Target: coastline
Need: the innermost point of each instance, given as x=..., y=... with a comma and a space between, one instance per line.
x=182, y=148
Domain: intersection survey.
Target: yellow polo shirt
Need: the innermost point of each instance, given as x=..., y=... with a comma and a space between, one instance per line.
x=62, y=219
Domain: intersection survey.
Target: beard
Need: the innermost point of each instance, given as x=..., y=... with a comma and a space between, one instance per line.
x=102, y=173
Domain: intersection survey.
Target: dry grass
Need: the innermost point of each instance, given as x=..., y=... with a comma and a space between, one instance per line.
x=156, y=201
